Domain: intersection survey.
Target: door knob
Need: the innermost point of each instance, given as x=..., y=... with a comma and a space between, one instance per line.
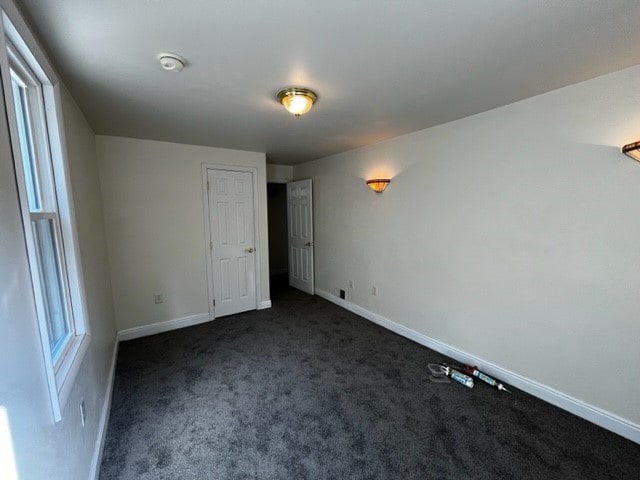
x=250, y=250
x=308, y=244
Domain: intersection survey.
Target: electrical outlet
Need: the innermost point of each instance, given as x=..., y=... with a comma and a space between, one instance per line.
x=83, y=412
x=351, y=284
x=158, y=298
x=374, y=291
x=342, y=294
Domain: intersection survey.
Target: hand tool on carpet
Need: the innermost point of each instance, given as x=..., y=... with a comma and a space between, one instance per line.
x=473, y=371
x=459, y=377
x=438, y=374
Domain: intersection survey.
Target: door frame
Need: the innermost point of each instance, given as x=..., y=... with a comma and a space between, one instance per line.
x=207, y=228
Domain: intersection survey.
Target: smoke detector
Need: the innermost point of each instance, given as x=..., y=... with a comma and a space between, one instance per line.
x=171, y=62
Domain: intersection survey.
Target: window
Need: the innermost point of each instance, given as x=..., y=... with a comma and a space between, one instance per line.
x=47, y=211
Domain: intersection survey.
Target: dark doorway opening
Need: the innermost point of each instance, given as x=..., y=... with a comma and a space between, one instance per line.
x=278, y=239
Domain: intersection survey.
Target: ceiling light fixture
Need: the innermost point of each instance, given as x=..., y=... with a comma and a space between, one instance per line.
x=633, y=150
x=171, y=62
x=378, y=185
x=297, y=100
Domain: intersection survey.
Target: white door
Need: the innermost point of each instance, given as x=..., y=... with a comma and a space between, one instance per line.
x=231, y=223
x=300, y=226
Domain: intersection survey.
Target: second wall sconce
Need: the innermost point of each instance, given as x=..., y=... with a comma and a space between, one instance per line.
x=378, y=184
x=633, y=150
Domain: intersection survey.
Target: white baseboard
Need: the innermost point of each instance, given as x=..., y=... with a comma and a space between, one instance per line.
x=94, y=473
x=146, y=330
x=264, y=304
x=582, y=409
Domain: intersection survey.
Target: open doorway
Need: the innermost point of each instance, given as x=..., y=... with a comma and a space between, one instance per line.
x=278, y=239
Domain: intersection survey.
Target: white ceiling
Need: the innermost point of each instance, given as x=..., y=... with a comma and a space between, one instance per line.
x=381, y=68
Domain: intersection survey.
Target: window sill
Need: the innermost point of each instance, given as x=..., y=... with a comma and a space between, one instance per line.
x=68, y=371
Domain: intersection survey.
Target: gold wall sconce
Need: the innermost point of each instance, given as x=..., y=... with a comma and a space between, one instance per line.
x=378, y=185
x=632, y=150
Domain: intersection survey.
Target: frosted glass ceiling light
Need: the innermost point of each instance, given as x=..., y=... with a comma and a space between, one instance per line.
x=297, y=100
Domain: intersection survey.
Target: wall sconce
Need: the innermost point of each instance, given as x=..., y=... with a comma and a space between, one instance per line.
x=633, y=150
x=378, y=185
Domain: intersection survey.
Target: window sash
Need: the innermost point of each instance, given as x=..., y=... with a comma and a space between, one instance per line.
x=53, y=284
x=28, y=98
x=26, y=145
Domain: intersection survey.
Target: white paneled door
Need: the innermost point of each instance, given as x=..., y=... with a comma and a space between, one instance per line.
x=233, y=246
x=300, y=226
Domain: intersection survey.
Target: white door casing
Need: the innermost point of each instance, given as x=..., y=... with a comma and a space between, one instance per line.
x=232, y=240
x=300, y=230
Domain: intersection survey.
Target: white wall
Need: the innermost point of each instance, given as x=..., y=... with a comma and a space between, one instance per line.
x=279, y=173
x=154, y=215
x=44, y=449
x=511, y=235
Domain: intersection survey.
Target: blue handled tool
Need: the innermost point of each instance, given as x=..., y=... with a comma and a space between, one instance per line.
x=484, y=377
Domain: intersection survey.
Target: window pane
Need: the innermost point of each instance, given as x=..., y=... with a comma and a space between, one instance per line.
x=52, y=285
x=26, y=146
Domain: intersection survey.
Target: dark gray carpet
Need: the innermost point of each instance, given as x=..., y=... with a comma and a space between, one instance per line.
x=307, y=390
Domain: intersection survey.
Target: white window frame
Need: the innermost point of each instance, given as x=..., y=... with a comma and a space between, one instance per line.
x=20, y=52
